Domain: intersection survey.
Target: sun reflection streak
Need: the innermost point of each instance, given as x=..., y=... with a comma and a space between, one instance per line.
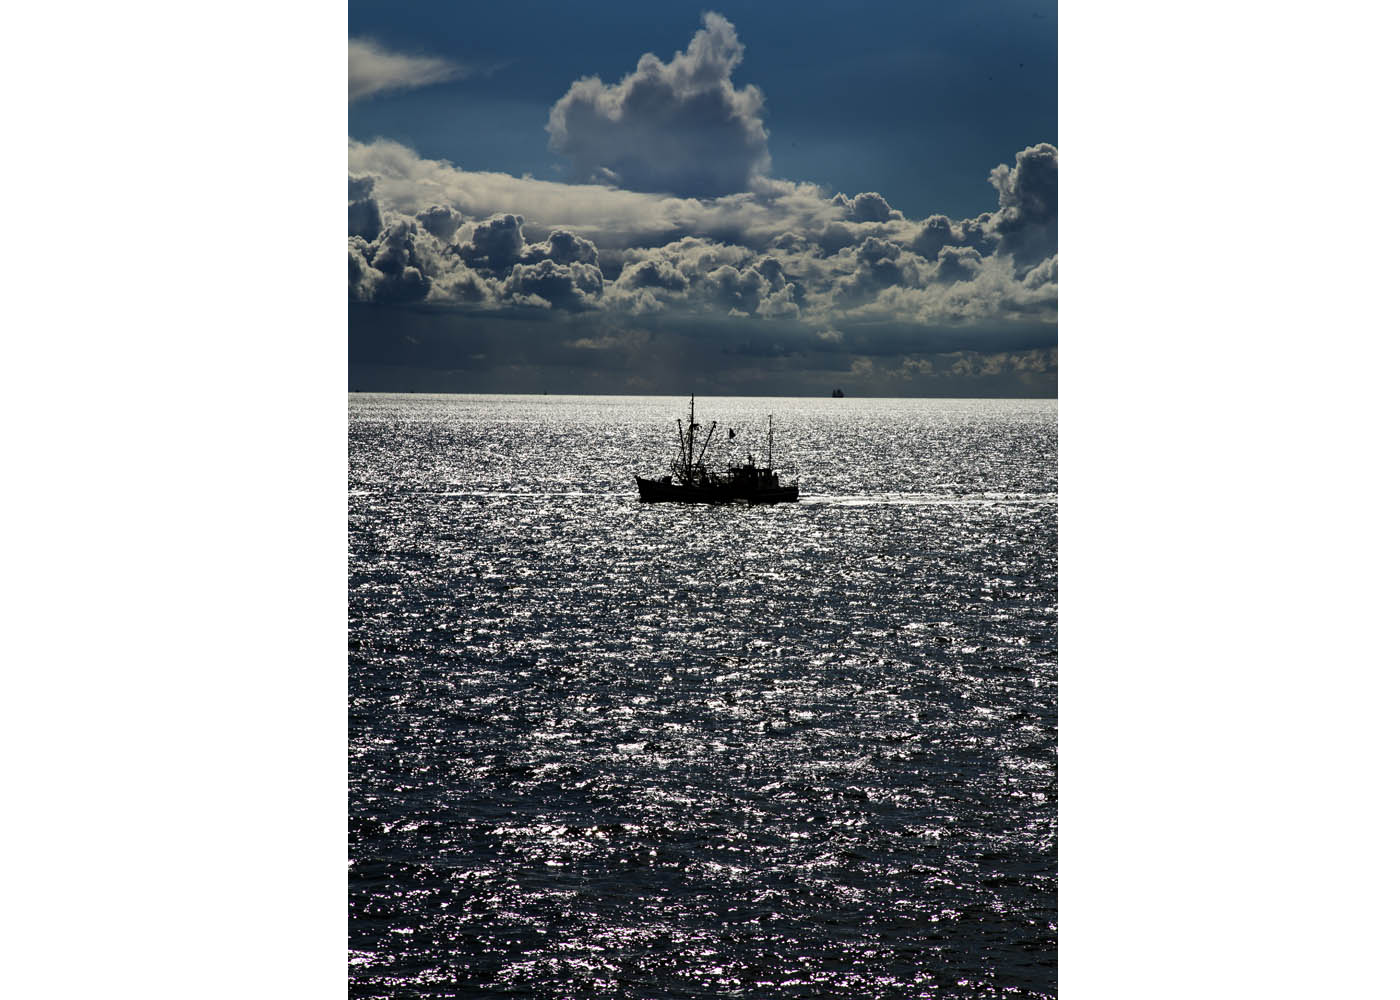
x=590, y=752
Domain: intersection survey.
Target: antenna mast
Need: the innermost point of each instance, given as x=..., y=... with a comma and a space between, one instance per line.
x=690, y=440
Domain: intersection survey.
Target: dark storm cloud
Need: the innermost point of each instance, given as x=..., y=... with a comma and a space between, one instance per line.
x=360, y=188
x=564, y=247
x=679, y=127
x=391, y=268
x=570, y=286
x=442, y=222
x=406, y=263
x=661, y=274
x=592, y=351
x=495, y=244
x=936, y=232
x=957, y=264
x=364, y=210
x=835, y=236
x=877, y=264
x=733, y=290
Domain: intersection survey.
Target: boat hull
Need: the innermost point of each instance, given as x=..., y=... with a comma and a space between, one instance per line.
x=784, y=494
x=660, y=491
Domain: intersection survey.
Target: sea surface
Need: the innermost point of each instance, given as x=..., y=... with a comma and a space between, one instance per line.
x=607, y=749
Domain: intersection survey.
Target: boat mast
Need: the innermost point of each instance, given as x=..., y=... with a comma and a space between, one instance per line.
x=705, y=447
x=690, y=441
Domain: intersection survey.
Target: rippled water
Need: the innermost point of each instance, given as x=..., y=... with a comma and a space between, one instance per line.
x=599, y=748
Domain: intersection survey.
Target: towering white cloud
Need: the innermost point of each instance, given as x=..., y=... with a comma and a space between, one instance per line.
x=374, y=70
x=1029, y=195
x=679, y=127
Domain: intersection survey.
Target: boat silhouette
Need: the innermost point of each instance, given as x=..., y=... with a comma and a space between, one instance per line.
x=691, y=481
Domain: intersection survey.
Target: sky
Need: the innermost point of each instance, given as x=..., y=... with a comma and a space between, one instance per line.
x=750, y=198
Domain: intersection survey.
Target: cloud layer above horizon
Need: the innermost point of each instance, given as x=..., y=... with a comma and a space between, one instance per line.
x=672, y=214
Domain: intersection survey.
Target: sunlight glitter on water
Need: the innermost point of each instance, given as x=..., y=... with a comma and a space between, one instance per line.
x=811, y=744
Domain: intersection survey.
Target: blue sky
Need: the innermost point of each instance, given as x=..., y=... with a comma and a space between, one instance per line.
x=741, y=136
x=914, y=100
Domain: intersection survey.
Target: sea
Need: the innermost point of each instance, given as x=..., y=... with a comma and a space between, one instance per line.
x=600, y=748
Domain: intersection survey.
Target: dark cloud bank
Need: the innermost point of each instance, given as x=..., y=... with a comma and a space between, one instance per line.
x=673, y=263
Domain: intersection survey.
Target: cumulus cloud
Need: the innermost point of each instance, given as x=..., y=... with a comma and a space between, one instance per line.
x=868, y=206
x=439, y=220
x=571, y=286
x=422, y=230
x=564, y=247
x=391, y=269
x=1027, y=219
x=495, y=244
x=957, y=264
x=375, y=70
x=678, y=127
x=610, y=217
x=364, y=209
x=406, y=263
x=661, y=274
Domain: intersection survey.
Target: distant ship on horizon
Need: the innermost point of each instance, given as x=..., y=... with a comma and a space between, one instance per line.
x=837, y=394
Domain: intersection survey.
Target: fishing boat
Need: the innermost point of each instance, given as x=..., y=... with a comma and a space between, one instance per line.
x=691, y=481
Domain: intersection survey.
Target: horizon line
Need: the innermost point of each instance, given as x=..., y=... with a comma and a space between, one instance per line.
x=681, y=395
